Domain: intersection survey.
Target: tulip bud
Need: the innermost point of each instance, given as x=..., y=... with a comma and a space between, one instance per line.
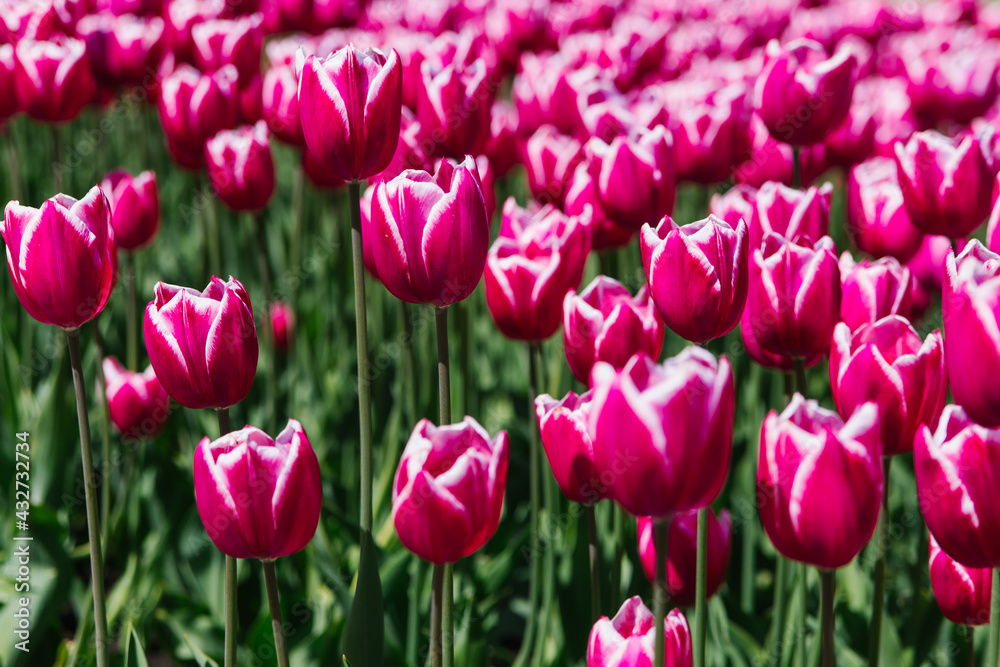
x=181, y=17
x=251, y=100
x=53, y=78
x=582, y=199
x=955, y=468
x=430, y=234
x=790, y=212
x=138, y=403
x=349, y=105
x=550, y=158
x=563, y=428
x=280, y=104
x=135, y=207
x=697, y=275
x=502, y=145
x=872, y=290
x=819, y=482
x=963, y=593
x=62, y=257
x=530, y=271
x=854, y=139
x=951, y=74
x=240, y=167
x=194, y=107
x=945, y=183
x=628, y=638
x=655, y=425
x=258, y=497
x=202, y=345
x=682, y=551
x=453, y=107
x=735, y=206
x=282, y=324
x=236, y=42
x=448, y=492
x=121, y=48
x=876, y=216
x=711, y=135
x=606, y=323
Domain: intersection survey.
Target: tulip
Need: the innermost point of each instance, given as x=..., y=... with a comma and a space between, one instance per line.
x=53, y=78
x=258, y=497
x=563, y=428
x=240, y=167
x=963, y=593
x=502, y=145
x=62, y=257
x=236, y=42
x=697, y=275
x=529, y=275
x=779, y=362
x=368, y=255
x=550, y=158
x=790, y=212
x=802, y=95
x=735, y=206
x=349, y=105
x=202, y=345
x=8, y=87
x=431, y=233
x=627, y=639
x=409, y=153
x=606, y=323
x=135, y=207
x=282, y=324
x=583, y=199
x=872, y=290
x=318, y=175
x=193, y=108
x=945, y=183
x=682, y=551
x=876, y=215
x=955, y=468
x=819, y=482
x=453, y=107
x=181, y=16
x=793, y=298
x=711, y=136
x=138, y=404
x=121, y=48
x=656, y=425
x=447, y=495
x=251, y=100
x=280, y=105
x=892, y=111
x=768, y=159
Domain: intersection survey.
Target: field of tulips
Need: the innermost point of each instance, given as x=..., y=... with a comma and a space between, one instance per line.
x=522, y=333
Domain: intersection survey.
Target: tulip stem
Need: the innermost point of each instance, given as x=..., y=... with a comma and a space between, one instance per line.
x=701, y=579
x=618, y=532
x=595, y=563
x=778, y=622
x=796, y=167
x=828, y=581
x=881, y=547
x=661, y=531
x=364, y=377
x=132, y=331
x=105, y=412
x=444, y=366
x=230, y=656
x=13, y=166
x=409, y=367
x=57, y=181
x=970, y=639
x=265, y=278
x=994, y=636
x=93, y=523
x=211, y=219
x=437, y=593
x=413, y=611
x=277, y=624
x=551, y=504
x=800, y=633
x=800, y=377
x=447, y=617
x=298, y=194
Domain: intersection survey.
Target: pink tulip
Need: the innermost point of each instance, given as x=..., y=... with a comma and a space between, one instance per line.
x=410, y=153
x=122, y=49
x=793, y=298
x=767, y=359
x=181, y=16
x=236, y=42
x=448, y=492
x=431, y=233
x=583, y=199
x=768, y=159
x=550, y=158
x=240, y=166
x=53, y=78
x=682, y=548
x=735, y=206
x=194, y=107
x=876, y=215
x=62, y=257
x=663, y=433
x=202, y=345
x=349, y=104
x=9, y=104
x=819, y=482
x=711, y=135
x=854, y=139
x=606, y=323
x=280, y=105
x=138, y=404
x=516, y=26
x=368, y=254
x=892, y=111
x=501, y=148
x=802, y=94
x=563, y=428
x=697, y=275
x=282, y=324
x=628, y=638
x=318, y=175
x=963, y=593
x=790, y=212
x=453, y=107
x=528, y=274
x=872, y=290
x=135, y=207
x=258, y=497
x=955, y=468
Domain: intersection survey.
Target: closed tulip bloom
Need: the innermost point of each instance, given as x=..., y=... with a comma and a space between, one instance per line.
x=963, y=593
x=193, y=108
x=682, y=548
x=280, y=104
x=137, y=402
x=655, y=426
x=711, y=137
x=135, y=207
x=236, y=42
x=793, y=298
x=181, y=16
x=873, y=290
x=430, y=234
x=502, y=145
x=854, y=139
x=240, y=166
x=605, y=322
x=8, y=87
x=819, y=482
x=953, y=77
x=368, y=254
x=62, y=257
x=582, y=199
x=53, y=78
x=563, y=428
x=453, y=107
x=877, y=218
x=121, y=48
x=529, y=275
x=779, y=362
x=282, y=324
x=790, y=212
x=447, y=496
x=550, y=159
x=697, y=275
x=945, y=183
x=735, y=205
x=202, y=345
x=349, y=104
x=628, y=639
x=318, y=175
x=802, y=94
x=955, y=467
x=258, y=497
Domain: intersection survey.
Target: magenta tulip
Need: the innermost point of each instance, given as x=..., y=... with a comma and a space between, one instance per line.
x=711, y=135
x=62, y=257
x=583, y=199
x=368, y=255
x=448, y=492
x=122, y=49
x=240, y=167
x=194, y=107
x=963, y=593
x=181, y=16
x=53, y=78
x=453, y=107
x=236, y=42
x=819, y=482
x=873, y=290
x=790, y=212
x=258, y=497
x=550, y=159
x=735, y=206
x=282, y=324
x=627, y=640
x=767, y=359
x=135, y=207
x=202, y=345
x=280, y=104
x=563, y=428
x=138, y=403
x=876, y=215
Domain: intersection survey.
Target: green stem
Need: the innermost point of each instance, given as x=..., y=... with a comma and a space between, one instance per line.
x=13, y=166
x=105, y=412
x=551, y=503
x=364, y=376
x=618, y=532
x=437, y=595
x=264, y=264
x=661, y=531
x=93, y=523
x=796, y=167
x=800, y=634
x=828, y=582
x=409, y=367
x=994, y=636
x=230, y=656
x=277, y=624
x=800, y=377
x=881, y=547
x=444, y=366
x=970, y=639
x=413, y=611
x=212, y=228
x=298, y=194
x=595, y=563
x=778, y=623
x=131, y=325
x=447, y=617
x=701, y=578
x=464, y=315
x=534, y=474
x=57, y=169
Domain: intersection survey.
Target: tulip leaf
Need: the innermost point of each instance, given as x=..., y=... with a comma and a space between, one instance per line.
x=364, y=632
x=140, y=654
x=347, y=663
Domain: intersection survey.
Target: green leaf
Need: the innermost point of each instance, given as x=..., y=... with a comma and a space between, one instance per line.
x=347, y=663
x=199, y=655
x=364, y=633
